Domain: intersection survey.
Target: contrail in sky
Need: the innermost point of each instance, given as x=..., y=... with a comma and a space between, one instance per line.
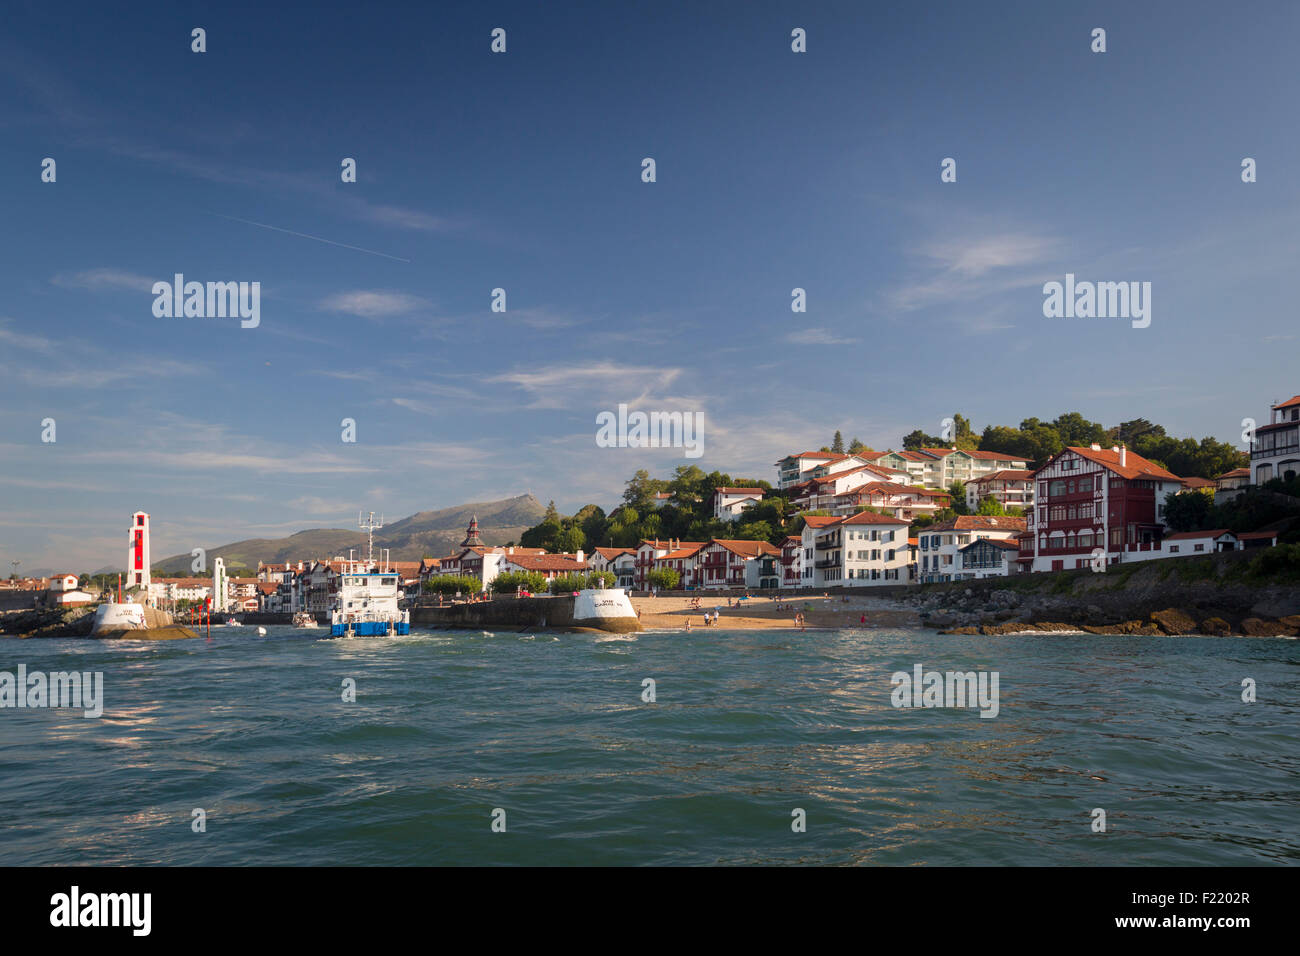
x=330, y=242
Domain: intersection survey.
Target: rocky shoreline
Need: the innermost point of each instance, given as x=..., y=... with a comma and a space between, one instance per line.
x=1143, y=603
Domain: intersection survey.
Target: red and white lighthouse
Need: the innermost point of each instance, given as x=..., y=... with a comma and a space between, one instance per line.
x=137, y=552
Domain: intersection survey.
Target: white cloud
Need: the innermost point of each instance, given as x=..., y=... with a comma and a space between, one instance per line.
x=97, y=280
x=372, y=304
x=817, y=336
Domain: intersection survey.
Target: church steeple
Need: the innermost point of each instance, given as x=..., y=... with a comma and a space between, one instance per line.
x=472, y=540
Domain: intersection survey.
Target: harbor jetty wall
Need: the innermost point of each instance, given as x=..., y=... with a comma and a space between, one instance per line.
x=537, y=613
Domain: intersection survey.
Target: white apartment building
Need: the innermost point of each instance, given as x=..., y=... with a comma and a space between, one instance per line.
x=940, y=467
x=855, y=551
x=1011, y=488
x=1275, y=452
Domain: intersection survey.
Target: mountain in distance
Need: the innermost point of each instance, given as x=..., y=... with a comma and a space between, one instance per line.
x=435, y=533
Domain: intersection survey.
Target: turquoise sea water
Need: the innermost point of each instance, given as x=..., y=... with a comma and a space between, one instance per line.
x=746, y=728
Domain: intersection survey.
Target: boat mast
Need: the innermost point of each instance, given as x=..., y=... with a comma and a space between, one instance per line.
x=368, y=525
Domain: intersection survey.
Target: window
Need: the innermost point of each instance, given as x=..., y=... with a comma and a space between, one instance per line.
x=1056, y=488
x=1173, y=549
x=1199, y=547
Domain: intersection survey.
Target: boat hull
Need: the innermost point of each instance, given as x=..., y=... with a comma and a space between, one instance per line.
x=370, y=628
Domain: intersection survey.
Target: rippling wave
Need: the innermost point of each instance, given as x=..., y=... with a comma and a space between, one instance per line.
x=746, y=728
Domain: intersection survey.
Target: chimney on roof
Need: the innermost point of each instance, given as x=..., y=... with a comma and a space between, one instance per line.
x=1123, y=456
x=1095, y=447
x=579, y=556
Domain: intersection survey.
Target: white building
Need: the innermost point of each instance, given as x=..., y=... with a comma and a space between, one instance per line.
x=793, y=469
x=1275, y=452
x=64, y=590
x=730, y=503
x=940, y=467
x=986, y=558
x=732, y=563
x=861, y=550
x=220, y=586
x=1011, y=488
x=939, y=546
x=620, y=562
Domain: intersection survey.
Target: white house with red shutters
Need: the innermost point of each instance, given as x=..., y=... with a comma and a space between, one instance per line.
x=649, y=551
x=725, y=563
x=620, y=562
x=685, y=560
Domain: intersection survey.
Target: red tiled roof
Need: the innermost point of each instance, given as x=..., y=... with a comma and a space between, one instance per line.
x=1006, y=474
x=819, y=521
x=1136, y=467
x=1255, y=535
x=1235, y=473
x=871, y=517
x=546, y=562
x=609, y=554
x=1183, y=535
x=979, y=523
x=994, y=455
x=746, y=549
x=739, y=491
x=1293, y=400
x=1197, y=483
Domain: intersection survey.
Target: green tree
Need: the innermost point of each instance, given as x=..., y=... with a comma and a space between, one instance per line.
x=509, y=582
x=990, y=506
x=664, y=579
x=958, y=492
x=1190, y=511
x=453, y=583
x=856, y=446
x=837, y=443
x=915, y=440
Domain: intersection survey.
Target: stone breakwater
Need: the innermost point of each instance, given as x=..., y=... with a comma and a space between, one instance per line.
x=77, y=621
x=561, y=613
x=1147, y=602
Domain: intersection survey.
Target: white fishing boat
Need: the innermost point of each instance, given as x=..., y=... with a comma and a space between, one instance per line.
x=365, y=604
x=233, y=621
x=305, y=619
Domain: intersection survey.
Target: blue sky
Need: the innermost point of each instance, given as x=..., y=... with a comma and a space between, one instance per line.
x=522, y=171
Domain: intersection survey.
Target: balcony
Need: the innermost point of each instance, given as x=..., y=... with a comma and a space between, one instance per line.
x=826, y=563
x=825, y=544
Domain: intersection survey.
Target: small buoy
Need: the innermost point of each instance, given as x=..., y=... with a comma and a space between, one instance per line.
x=261, y=632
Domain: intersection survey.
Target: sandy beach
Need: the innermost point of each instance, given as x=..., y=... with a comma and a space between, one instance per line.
x=759, y=612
